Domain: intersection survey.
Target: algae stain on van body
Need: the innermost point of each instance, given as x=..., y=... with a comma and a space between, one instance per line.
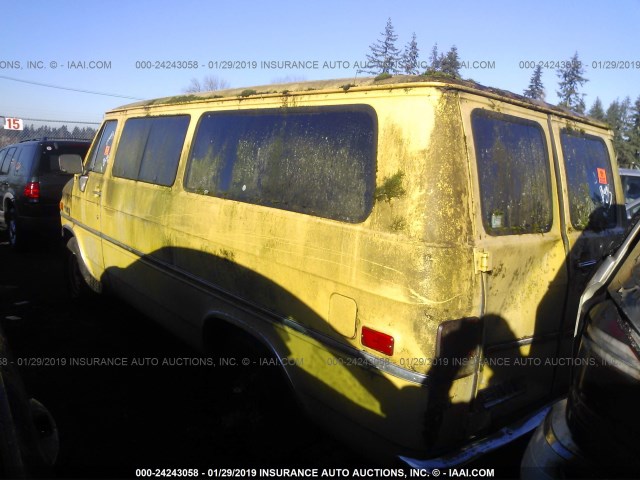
x=447, y=272
x=422, y=197
x=391, y=188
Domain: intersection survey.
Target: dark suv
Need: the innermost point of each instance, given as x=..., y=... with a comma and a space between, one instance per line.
x=31, y=186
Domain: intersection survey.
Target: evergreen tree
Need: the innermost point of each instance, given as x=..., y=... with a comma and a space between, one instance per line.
x=450, y=63
x=384, y=57
x=571, y=79
x=535, y=89
x=619, y=119
x=435, y=60
x=634, y=134
x=597, y=110
x=410, y=57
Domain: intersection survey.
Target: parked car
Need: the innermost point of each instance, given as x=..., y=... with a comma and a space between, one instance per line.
x=631, y=186
x=594, y=432
x=28, y=435
x=401, y=245
x=31, y=186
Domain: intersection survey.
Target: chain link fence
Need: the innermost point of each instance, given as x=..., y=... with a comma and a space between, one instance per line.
x=34, y=128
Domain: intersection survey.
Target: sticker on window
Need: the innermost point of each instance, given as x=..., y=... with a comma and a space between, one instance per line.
x=602, y=176
x=606, y=196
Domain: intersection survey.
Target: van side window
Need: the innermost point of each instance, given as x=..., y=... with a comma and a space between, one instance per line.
x=319, y=161
x=514, y=174
x=589, y=177
x=149, y=149
x=99, y=156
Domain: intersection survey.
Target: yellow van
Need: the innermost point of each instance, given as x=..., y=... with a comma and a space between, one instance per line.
x=410, y=250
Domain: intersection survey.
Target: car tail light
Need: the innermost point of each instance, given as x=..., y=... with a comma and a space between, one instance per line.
x=378, y=341
x=32, y=190
x=610, y=332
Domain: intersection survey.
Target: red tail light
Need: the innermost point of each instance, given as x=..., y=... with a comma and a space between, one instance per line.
x=32, y=190
x=379, y=341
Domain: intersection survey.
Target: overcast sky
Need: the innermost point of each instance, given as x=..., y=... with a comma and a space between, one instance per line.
x=498, y=36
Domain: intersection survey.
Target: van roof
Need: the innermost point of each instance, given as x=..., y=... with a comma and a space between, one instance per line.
x=436, y=80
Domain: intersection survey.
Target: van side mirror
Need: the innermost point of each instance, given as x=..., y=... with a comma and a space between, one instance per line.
x=70, y=163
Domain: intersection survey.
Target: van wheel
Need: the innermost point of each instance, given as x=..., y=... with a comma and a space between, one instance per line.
x=16, y=236
x=76, y=274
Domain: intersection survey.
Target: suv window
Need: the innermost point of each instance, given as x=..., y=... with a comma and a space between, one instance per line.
x=3, y=154
x=7, y=160
x=23, y=160
x=631, y=187
x=591, y=198
x=50, y=156
x=318, y=161
x=514, y=174
x=99, y=156
x=149, y=149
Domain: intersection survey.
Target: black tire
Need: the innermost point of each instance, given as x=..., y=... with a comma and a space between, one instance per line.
x=76, y=274
x=15, y=232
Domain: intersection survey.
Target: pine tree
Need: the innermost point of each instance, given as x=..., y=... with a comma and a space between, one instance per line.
x=450, y=63
x=597, y=111
x=535, y=89
x=619, y=119
x=634, y=134
x=410, y=57
x=384, y=57
x=571, y=79
x=435, y=60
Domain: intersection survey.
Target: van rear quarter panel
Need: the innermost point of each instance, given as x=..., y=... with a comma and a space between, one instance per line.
x=406, y=268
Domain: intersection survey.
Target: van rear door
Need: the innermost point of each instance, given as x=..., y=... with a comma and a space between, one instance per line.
x=518, y=230
x=593, y=216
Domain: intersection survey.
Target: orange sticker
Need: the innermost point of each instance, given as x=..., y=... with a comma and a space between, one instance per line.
x=108, y=148
x=602, y=176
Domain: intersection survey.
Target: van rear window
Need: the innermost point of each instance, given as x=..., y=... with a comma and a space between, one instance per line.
x=318, y=161
x=149, y=149
x=514, y=174
x=590, y=181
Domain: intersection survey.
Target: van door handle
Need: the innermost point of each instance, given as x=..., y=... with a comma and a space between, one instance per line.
x=97, y=193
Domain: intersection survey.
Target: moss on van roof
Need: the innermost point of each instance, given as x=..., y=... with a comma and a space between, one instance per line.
x=436, y=79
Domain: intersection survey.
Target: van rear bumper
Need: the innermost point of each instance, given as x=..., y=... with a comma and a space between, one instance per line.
x=482, y=445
